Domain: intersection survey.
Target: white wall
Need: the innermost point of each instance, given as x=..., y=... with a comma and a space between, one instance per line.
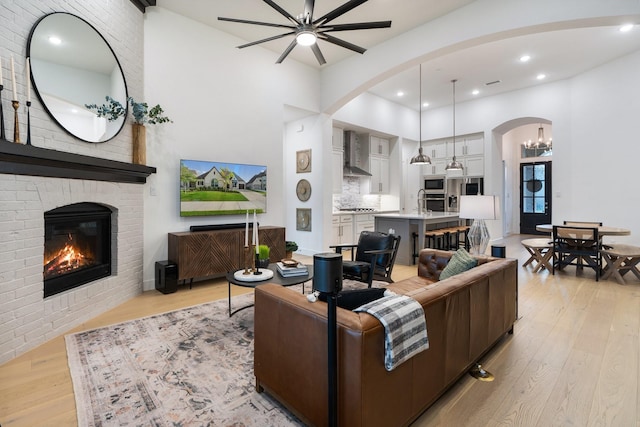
x=227, y=105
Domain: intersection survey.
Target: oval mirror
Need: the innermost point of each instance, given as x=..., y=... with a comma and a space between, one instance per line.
x=72, y=65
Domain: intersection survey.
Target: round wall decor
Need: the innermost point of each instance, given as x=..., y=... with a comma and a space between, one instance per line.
x=303, y=190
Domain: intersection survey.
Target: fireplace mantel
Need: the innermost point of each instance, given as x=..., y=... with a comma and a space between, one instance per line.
x=20, y=159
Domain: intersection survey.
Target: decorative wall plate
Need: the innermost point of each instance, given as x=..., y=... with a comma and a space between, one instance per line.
x=303, y=190
x=303, y=161
x=303, y=219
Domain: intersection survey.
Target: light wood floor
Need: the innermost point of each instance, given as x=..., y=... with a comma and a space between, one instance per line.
x=572, y=361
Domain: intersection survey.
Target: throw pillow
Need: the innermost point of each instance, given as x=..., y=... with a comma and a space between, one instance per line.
x=354, y=298
x=460, y=262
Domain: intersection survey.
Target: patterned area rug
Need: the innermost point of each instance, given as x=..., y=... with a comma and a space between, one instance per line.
x=190, y=367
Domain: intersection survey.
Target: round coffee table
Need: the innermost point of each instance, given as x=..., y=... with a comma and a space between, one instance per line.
x=277, y=278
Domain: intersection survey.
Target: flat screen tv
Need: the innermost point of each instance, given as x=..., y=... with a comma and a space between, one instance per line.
x=217, y=188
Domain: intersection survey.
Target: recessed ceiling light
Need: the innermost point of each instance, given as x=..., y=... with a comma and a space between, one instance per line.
x=541, y=76
x=626, y=27
x=400, y=93
x=475, y=92
x=55, y=40
x=425, y=104
x=525, y=58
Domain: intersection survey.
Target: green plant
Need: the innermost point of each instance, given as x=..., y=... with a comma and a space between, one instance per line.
x=140, y=111
x=263, y=252
x=290, y=246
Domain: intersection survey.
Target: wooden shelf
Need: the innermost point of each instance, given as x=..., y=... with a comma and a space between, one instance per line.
x=21, y=159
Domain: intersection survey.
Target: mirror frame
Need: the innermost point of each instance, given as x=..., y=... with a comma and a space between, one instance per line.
x=47, y=107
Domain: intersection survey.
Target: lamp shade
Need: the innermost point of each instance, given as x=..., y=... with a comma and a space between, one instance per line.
x=479, y=207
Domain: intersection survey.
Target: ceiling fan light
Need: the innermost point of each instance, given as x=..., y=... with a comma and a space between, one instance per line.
x=306, y=38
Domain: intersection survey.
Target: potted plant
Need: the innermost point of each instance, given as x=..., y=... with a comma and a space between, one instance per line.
x=263, y=256
x=290, y=247
x=141, y=113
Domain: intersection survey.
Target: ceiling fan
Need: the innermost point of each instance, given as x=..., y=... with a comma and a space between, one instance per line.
x=307, y=30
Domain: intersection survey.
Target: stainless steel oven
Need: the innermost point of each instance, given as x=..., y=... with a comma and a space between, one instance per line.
x=435, y=202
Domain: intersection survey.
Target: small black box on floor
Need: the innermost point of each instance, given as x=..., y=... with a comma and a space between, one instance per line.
x=166, y=277
x=498, y=251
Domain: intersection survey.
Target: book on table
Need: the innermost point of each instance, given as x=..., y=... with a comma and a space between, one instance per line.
x=285, y=271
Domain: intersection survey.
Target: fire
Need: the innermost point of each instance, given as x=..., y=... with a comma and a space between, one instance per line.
x=67, y=259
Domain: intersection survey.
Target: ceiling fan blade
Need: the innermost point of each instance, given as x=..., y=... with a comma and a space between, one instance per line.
x=282, y=11
x=355, y=26
x=266, y=40
x=341, y=43
x=287, y=51
x=319, y=56
x=308, y=11
x=244, y=21
x=341, y=10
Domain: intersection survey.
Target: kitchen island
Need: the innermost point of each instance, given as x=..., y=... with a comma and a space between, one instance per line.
x=405, y=225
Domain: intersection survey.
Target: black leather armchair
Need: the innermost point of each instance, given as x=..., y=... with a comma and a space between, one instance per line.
x=375, y=255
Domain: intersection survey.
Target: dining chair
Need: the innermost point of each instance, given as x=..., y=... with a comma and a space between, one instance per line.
x=375, y=256
x=579, y=246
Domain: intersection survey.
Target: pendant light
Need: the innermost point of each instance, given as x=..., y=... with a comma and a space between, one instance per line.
x=454, y=165
x=420, y=158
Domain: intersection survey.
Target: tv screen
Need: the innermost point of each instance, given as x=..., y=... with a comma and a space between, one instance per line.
x=216, y=188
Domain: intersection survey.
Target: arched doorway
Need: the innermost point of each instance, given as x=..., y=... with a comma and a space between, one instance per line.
x=527, y=177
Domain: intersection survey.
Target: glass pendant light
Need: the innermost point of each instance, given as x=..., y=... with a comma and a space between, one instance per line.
x=454, y=165
x=420, y=158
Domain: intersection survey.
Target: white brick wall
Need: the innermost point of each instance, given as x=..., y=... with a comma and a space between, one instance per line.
x=26, y=319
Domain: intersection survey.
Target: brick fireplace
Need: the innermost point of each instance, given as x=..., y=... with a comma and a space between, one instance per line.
x=40, y=183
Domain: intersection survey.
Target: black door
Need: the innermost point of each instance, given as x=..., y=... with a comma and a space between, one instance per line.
x=535, y=196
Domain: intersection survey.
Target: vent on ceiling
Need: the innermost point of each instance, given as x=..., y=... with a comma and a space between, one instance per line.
x=495, y=82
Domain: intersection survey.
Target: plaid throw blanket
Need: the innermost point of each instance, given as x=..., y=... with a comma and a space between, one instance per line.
x=405, y=327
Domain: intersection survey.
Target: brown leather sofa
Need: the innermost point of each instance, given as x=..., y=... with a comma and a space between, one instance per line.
x=466, y=316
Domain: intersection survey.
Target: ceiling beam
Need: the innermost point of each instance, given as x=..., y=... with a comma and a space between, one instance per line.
x=142, y=4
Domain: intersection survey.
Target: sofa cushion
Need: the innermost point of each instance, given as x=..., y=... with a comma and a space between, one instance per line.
x=354, y=298
x=460, y=262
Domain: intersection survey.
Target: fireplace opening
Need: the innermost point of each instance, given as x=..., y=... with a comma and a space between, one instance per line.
x=77, y=246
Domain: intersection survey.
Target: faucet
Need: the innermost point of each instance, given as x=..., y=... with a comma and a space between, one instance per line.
x=421, y=200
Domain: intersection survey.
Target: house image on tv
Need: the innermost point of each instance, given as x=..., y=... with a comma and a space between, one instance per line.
x=219, y=180
x=258, y=182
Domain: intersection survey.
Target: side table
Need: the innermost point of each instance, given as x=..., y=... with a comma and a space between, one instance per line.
x=277, y=278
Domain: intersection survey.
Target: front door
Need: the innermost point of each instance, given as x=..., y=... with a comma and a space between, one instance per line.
x=535, y=196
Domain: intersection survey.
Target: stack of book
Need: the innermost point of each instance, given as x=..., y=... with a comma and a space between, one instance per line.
x=289, y=271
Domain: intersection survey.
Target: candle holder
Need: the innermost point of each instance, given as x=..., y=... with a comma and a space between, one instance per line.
x=257, y=264
x=28, y=123
x=16, y=123
x=2, y=135
x=248, y=265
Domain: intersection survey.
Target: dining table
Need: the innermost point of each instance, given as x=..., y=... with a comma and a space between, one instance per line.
x=603, y=230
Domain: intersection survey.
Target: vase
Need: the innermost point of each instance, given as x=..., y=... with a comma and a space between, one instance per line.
x=139, y=147
x=263, y=263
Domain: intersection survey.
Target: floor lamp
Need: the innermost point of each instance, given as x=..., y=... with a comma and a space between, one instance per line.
x=479, y=208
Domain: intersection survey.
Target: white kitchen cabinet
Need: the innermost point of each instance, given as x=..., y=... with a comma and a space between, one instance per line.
x=378, y=146
x=474, y=147
x=341, y=229
x=436, y=150
x=437, y=167
x=337, y=139
x=364, y=222
x=379, y=170
x=474, y=166
x=337, y=161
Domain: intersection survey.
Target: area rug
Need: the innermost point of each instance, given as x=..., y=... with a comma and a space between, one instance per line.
x=190, y=367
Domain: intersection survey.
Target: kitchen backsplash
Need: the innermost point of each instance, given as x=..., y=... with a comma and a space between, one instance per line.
x=355, y=195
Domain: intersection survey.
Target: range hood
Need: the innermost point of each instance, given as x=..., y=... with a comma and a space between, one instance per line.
x=350, y=147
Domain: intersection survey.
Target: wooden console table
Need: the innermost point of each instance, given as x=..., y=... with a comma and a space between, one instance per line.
x=215, y=252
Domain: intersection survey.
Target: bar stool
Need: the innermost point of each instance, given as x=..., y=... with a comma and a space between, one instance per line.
x=540, y=251
x=620, y=259
x=435, y=239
